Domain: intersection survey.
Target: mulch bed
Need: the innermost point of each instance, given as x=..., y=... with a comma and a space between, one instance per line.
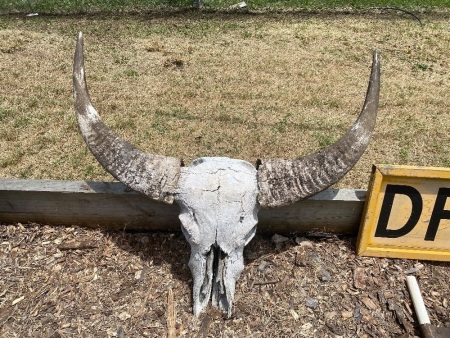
x=74, y=282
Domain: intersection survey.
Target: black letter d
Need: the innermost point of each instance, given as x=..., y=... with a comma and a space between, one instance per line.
x=386, y=208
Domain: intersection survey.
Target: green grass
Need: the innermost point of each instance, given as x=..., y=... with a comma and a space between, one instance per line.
x=91, y=6
x=5, y=114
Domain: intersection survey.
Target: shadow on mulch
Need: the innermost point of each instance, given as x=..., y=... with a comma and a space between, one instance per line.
x=172, y=248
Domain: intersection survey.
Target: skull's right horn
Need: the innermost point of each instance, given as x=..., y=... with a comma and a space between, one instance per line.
x=153, y=175
x=282, y=182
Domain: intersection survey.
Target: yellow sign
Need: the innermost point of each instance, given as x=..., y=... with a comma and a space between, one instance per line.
x=407, y=213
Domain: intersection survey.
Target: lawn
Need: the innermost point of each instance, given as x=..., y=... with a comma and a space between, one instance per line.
x=245, y=86
x=140, y=6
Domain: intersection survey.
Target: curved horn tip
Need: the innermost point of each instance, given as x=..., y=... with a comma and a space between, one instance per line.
x=376, y=56
x=80, y=41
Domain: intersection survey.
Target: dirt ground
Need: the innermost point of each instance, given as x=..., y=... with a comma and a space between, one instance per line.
x=76, y=282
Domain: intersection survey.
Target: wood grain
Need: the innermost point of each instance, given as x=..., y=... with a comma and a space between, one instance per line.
x=111, y=205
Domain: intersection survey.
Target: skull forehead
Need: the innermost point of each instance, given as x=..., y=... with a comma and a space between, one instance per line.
x=218, y=174
x=218, y=199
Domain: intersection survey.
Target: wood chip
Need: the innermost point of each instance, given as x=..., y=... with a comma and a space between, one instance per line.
x=294, y=314
x=369, y=303
x=266, y=282
x=359, y=278
x=124, y=284
x=171, y=315
x=77, y=245
x=18, y=300
x=124, y=315
x=347, y=314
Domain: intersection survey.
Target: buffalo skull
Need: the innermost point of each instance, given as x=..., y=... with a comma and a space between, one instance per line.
x=220, y=197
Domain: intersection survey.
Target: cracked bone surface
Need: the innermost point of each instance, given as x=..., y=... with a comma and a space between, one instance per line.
x=218, y=200
x=220, y=197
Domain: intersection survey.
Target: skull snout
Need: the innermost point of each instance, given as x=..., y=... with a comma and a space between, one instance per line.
x=218, y=200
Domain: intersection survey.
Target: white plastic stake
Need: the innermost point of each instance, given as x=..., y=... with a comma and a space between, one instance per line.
x=417, y=299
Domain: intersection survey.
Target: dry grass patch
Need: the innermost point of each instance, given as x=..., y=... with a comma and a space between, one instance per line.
x=237, y=86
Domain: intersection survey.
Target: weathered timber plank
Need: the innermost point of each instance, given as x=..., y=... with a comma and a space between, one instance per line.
x=111, y=205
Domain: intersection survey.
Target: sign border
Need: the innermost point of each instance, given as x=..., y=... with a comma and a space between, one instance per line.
x=380, y=172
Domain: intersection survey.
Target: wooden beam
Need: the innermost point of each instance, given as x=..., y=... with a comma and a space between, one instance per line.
x=111, y=205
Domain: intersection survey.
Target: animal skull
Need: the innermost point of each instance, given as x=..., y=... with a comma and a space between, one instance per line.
x=220, y=197
x=218, y=200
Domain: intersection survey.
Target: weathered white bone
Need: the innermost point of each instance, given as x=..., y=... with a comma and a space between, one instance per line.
x=220, y=197
x=219, y=207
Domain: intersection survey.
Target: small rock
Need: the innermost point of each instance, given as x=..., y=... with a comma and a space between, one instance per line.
x=324, y=275
x=267, y=271
x=419, y=266
x=57, y=268
x=138, y=275
x=357, y=312
x=312, y=303
x=411, y=271
x=303, y=242
x=279, y=239
x=262, y=266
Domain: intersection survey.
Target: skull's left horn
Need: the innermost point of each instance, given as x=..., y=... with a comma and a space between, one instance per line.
x=153, y=175
x=283, y=182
